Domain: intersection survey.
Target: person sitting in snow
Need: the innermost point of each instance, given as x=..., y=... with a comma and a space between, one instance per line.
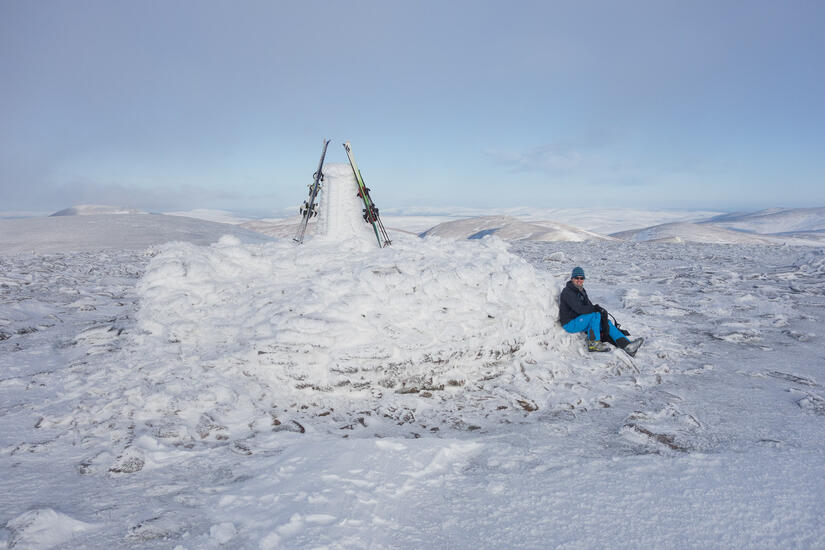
x=578, y=314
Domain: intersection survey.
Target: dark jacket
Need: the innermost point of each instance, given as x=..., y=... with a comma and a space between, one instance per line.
x=573, y=302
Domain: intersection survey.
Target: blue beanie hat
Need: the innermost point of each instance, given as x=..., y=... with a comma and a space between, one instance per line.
x=577, y=272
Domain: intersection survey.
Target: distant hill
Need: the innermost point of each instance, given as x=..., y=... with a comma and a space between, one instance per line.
x=802, y=226
x=692, y=232
x=512, y=229
x=281, y=228
x=602, y=221
x=114, y=227
x=76, y=233
x=773, y=221
x=95, y=210
x=220, y=216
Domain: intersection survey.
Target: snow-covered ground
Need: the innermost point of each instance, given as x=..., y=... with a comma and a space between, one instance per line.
x=256, y=394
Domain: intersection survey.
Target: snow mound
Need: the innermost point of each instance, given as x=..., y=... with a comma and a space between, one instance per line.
x=424, y=314
x=512, y=229
x=44, y=528
x=95, y=210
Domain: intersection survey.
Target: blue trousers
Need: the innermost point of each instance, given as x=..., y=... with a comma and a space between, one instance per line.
x=592, y=322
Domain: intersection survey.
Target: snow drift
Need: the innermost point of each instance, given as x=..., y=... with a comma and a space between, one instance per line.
x=342, y=321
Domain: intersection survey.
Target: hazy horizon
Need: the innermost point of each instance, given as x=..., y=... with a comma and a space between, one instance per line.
x=189, y=105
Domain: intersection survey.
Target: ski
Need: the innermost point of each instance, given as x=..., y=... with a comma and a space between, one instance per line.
x=308, y=209
x=370, y=210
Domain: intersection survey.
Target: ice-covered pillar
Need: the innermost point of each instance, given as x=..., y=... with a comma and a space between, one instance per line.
x=341, y=216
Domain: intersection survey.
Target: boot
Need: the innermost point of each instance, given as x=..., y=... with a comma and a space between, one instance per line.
x=630, y=347
x=596, y=345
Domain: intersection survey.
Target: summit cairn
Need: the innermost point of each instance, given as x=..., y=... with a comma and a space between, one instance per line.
x=346, y=210
x=340, y=218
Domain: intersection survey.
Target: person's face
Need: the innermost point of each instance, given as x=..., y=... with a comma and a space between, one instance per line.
x=578, y=281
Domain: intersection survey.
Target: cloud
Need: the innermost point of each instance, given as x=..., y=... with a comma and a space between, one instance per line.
x=583, y=153
x=554, y=158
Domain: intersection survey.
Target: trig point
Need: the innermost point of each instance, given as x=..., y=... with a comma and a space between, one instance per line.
x=341, y=215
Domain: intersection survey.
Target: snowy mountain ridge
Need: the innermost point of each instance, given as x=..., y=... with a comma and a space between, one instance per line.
x=680, y=232
x=801, y=226
x=75, y=233
x=773, y=220
x=511, y=229
x=775, y=226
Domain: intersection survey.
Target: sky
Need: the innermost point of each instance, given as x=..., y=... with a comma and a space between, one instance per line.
x=209, y=104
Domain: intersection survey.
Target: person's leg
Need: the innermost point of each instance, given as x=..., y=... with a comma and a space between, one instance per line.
x=589, y=322
x=615, y=333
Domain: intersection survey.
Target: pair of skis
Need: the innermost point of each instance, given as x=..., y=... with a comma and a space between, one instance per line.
x=309, y=208
x=370, y=210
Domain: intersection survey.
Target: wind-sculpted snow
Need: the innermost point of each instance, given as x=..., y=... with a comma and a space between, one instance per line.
x=341, y=332
x=343, y=315
x=812, y=265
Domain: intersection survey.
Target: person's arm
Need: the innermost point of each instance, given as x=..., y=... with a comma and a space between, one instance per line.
x=572, y=301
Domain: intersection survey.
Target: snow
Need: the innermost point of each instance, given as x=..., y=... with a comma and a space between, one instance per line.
x=359, y=330
x=223, y=391
x=44, y=528
x=341, y=218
